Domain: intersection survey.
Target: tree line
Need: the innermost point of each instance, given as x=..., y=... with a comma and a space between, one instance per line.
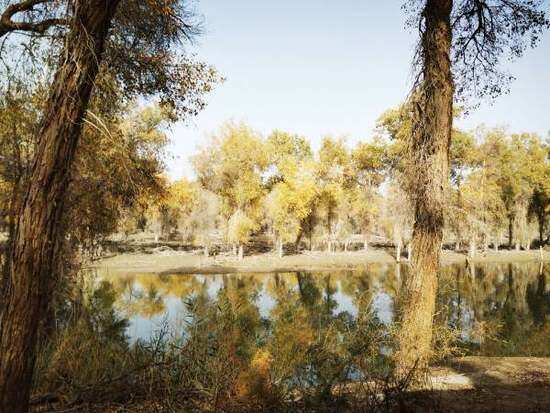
x=250, y=188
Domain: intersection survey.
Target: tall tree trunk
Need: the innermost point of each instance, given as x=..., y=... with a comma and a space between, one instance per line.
x=299, y=238
x=472, y=248
x=429, y=150
x=241, y=252
x=510, y=231
x=35, y=243
x=540, y=218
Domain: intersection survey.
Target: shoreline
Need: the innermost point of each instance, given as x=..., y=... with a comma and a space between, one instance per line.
x=181, y=262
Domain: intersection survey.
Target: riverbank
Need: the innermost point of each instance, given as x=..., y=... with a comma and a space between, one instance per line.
x=168, y=261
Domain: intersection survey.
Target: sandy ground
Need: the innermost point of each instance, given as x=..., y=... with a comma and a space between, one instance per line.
x=490, y=384
x=181, y=262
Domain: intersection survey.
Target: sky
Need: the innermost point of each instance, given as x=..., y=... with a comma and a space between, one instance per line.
x=319, y=67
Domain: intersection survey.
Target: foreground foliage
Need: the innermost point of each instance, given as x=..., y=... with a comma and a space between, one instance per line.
x=222, y=352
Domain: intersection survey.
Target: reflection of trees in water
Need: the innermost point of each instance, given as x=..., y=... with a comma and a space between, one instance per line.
x=538, y=296
x=307, y=346
x=144, y=295
x=499, y=310
x=493, y=303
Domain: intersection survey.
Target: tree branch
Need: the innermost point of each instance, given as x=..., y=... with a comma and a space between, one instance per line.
x=7, y=25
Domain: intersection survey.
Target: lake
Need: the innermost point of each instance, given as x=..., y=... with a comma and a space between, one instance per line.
x=494, y=309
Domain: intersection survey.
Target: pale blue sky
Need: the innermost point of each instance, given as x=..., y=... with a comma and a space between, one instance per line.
x=318, y=67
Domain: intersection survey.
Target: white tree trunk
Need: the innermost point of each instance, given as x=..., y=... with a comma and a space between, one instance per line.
x=280, y=249
x=241, y=252
x=472, y=249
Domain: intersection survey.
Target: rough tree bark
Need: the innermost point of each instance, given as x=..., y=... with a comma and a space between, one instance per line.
x=35, y=242
x=429, y=149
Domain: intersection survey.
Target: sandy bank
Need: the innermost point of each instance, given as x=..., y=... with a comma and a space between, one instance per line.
x=492, y=384
x=180, y=262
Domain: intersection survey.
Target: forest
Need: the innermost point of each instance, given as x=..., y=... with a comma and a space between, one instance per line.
x=90, y=94
x=276, y=190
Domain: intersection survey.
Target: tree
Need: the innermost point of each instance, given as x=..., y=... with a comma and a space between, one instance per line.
x=36, y=235
x=335, y=177
x=41, y=17
x=291, y=200
x=539, y=204
x=396, y=217
x=465, y=39
x=231, y=167
x=118, y=165
x=203, y=222
x=293, y=186
x=176, y=206
x=481, y=210
x=144, y=32
x=369, y=166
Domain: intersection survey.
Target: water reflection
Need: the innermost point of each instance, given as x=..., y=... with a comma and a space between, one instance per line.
x=498, y=309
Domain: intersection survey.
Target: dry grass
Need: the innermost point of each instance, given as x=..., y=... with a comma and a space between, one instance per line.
x=226, y=361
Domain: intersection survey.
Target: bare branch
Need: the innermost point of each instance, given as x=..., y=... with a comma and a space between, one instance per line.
x=7, y=25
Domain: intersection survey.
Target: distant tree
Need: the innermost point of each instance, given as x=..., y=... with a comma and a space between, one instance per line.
x=177, y=204
x=203, y=222
x=396, y=216
x=231, y=167
x=539, y=204
x=369, y=163
x=282, y=148
x=291, y=200
x=335, y=177
x=293, y=187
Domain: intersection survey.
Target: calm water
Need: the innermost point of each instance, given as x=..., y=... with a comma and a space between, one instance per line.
x=497, y=309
